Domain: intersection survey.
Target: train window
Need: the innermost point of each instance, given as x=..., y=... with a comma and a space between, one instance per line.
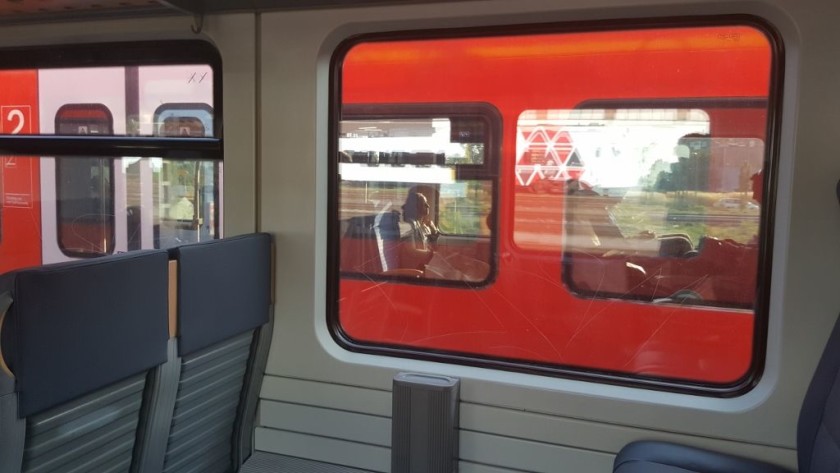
x=646, y=190
x=416, y=194
x=185, y=192
x=620, y=213
x=120, y=149
x=84, y=202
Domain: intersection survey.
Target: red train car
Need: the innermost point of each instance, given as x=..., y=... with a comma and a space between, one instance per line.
x=589, y=195
x=20, y=215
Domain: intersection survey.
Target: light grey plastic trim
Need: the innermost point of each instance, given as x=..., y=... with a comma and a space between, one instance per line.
x=96, y=432
x=243, y=440
x=156, y=417
x=12, y=429
x=209, y=395
x=262, y=462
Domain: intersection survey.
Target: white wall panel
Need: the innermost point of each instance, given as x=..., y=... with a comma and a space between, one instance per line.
x=311, y=447
x=342, y=425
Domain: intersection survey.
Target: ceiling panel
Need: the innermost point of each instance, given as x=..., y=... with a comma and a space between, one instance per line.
x=23, y=11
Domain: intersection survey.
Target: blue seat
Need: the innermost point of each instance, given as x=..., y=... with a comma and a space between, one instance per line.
x=665, y=457
x=79, y=341
x=223, y=313
x=818, y=435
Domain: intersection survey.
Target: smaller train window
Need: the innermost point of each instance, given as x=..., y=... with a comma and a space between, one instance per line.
x=416, y=193
x=606, y=218
x=651, y=202
x=186, y=192
x=84, y=200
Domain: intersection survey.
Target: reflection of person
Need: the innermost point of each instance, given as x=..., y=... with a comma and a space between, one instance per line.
x=419, y=248
x=416, y=213
x=182, y=210
x=418, y=241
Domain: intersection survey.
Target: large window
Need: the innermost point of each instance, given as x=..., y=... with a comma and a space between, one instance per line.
x=121, y=154
x=586, y=204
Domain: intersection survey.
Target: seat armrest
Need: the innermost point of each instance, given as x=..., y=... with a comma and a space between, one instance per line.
x=690, y=459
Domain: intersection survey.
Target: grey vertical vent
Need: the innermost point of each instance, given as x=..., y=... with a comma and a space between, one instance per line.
x=424, y=424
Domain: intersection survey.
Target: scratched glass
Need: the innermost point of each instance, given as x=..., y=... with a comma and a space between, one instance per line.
x=404, y=210
x=621, y=222
x=651, y=203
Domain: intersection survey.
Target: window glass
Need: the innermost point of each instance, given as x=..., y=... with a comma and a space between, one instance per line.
x=89, y=201
x=643, y=191
x=404, y=208
x=185, y=192
x=83, y=185
x=604, y=221
x=186, y=196
x=85, y=206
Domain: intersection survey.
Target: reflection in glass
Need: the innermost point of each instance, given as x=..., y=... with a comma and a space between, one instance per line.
x=85, y=206
x=654, y=207
x=403, y=209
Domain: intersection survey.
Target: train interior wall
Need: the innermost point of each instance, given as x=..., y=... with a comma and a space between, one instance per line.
x=322, y=402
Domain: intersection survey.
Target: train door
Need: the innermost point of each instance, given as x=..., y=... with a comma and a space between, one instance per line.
x=20, y=203
x=84, y=198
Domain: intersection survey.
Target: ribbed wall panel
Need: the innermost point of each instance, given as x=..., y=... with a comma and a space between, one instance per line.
x=349, y=428
x=209, y=393
x=262, y=462
x=95, y=433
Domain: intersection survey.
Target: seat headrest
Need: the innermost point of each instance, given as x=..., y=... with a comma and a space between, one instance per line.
x=76, y=327
x=224, y=289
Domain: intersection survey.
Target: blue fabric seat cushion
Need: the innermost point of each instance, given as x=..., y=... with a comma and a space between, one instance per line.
x=665, y=457
x=224, y=289
x=79, y=326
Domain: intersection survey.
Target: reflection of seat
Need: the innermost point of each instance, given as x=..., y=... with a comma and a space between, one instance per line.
x=358, y=246
x=675, y=245
x=371, y=244
x=386, y=228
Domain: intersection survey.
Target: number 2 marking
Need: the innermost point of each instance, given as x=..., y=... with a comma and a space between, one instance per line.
x=16, y=114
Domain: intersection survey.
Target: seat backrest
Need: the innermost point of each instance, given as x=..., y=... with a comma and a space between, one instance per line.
x=224, y=300
x=79, y=339
x=818, y=433
x=359, y=251
x=386, y=228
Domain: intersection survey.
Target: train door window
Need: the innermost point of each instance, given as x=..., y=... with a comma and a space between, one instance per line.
x=621, y=202
x=185, y=192
x=84, y=200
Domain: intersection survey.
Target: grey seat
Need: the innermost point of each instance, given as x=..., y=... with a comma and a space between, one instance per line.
x=79, y=340
x=223, y=307
x=818, y=432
